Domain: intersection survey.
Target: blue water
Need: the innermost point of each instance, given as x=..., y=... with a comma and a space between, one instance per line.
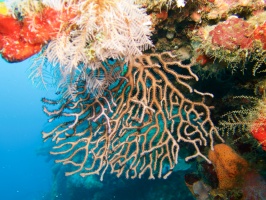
x=23, y=174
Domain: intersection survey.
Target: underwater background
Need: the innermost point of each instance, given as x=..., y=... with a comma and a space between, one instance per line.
x=175, y=110
x=23, y=174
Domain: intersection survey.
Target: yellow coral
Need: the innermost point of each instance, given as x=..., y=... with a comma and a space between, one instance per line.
x=3, y=8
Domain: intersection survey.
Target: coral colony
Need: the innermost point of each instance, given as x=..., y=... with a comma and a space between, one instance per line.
x=127, y=99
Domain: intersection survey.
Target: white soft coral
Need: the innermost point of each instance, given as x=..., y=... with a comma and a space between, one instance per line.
x=98, y=30
x=107, y=29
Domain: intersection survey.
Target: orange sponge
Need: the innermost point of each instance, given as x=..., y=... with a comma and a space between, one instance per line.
x=229, y=166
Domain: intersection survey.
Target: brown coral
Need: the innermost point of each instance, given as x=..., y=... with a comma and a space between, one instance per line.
x=229, y=166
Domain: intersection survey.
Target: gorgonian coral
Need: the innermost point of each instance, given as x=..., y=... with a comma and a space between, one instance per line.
x=138, y=125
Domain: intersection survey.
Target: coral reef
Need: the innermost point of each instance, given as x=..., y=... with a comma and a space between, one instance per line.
x=235, y=41
x=128, y=75
x=223, y=9
x=158, y=4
